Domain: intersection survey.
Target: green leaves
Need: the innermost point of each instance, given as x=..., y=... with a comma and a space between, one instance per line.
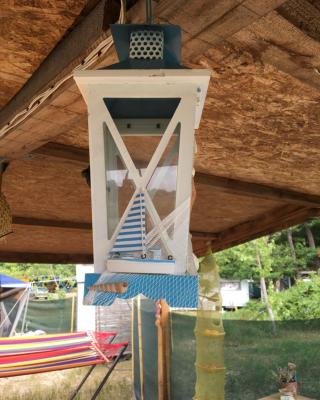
x=37, y=271
x=301, y=301
x=275, y=254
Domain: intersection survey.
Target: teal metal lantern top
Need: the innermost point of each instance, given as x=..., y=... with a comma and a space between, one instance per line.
x=147, y=46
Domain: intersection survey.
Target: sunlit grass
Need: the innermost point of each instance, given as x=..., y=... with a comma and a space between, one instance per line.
x=59, y=385
x=253, y=351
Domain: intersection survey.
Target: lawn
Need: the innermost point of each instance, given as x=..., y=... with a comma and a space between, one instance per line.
x=252, y=352
x=59, y=385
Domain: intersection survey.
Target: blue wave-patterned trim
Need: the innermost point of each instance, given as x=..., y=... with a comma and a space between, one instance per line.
x=180, y=291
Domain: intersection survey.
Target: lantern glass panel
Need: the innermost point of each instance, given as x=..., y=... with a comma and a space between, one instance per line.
x=162, y=186
x=141, y=149
x=120, y=186
x=156, y=248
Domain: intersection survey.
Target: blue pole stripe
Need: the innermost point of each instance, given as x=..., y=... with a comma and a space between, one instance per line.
x=135, y=208
x=127, y=233
x=132, y=235
x=123, y=251
x=138, y=202
x=130, y=221
x=126, y=227
x=131, y=239
x=127, y=246
x=136, y=214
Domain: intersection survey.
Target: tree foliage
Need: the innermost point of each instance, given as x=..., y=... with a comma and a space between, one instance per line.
x=278, y=262
x=301, y=301
x=270, y=259
x=33, y=272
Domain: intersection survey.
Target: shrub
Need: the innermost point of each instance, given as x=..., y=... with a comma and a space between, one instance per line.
x=301, y=301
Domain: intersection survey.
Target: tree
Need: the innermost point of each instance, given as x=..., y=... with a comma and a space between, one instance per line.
x=37, y=271
x=237, y=263
x=310, y=236
x=303, y=241
x=290, y=253
x=264, y=264
x=250, y=260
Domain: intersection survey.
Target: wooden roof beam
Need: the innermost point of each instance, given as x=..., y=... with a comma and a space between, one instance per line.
x=283, y=34
x=65, y=152
x=48, y=223
x=65, y=56
x=44, y=258
x=237, y=187
x=196, y=235
x=219, y=19
x=266, y=224
x=227, y=185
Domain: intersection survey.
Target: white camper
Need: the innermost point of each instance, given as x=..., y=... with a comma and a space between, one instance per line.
x=234, y=293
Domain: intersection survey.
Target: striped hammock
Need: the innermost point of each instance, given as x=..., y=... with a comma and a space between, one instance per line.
x=36, y=354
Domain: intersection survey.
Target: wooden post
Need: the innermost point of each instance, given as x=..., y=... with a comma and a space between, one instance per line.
x=140, y=349
x=72, y=312
x=162, y=323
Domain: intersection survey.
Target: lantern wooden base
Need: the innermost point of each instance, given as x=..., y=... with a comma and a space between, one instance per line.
x=143, y=266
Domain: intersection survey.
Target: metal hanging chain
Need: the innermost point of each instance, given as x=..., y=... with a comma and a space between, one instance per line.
x=100, y=50
x=149, y=12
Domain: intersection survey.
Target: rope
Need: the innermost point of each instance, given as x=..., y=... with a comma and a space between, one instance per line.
x=92, y=58
x=35, y=280
x=13, y=307
x=25, y=314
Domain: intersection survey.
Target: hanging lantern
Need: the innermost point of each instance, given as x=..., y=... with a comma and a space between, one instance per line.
x=142, y=115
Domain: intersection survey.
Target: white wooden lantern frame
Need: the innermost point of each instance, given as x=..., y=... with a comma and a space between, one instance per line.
x=188, y=85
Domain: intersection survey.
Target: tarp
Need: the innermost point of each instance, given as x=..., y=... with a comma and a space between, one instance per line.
x=50, y=316
x=8, y=282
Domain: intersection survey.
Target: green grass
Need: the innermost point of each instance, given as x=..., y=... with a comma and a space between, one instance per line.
x=59, y=385
x=253, y=351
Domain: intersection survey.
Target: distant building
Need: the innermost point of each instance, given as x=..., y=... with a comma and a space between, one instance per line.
x=235, y=293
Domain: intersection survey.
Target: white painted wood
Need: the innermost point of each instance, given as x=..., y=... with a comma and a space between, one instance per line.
x=86, y=315
x=184, y=179
x=98, y=182
x=197, y=78
x=136, y=267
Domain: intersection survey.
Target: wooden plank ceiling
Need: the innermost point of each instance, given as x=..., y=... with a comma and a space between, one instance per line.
x=258, y=157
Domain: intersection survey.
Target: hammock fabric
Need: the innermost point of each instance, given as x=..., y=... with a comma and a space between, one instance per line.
x=36, y=354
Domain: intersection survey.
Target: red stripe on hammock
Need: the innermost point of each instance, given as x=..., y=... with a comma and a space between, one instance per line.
x=41, y=355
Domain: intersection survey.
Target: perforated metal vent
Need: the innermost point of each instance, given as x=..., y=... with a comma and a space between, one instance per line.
x=146, y=45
